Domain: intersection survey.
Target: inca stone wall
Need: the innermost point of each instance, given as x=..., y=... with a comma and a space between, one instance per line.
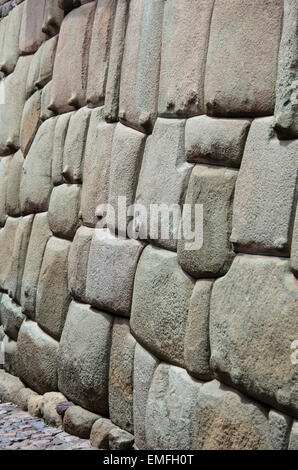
x=161, y=102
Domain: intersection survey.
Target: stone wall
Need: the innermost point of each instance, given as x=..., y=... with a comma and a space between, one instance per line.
x=160, y=101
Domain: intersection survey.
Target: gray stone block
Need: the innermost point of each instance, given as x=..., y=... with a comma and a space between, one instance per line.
x=79, y=422
x=11, y=316
x=14, y=176
x=78, y=262
x=64, y=209
x=280, y=428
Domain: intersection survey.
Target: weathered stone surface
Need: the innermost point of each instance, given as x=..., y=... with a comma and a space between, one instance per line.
x=58, y=147
x=126, y=160
x=111, y=271
x=196, y=347
x=171, y=404
x=48, y=408
x=120, y=440
x=63, y=406
x=36, y=183
x=40, y=234
x=11, y=316
x=293, y=445
x=78, y=262
x=64, y=210
x=37, y=358
x=10, y=45
x=242, y=57
x=30, y=121
x=227, y=420
x=79, y=422
x=10, y=355
x=53, y=17
x=83, y=365
x=216, y=141
x=31, y=35
x=265, y=193
x=68, y=5
x=34, y=405
x=253, y=323
x=45, y=112
x=115, y=61
x=23, y=397
x=100, y=433
x=211, y=255
x=33, y=72
x=7, y=239
x=95, y=190
x=294, y=246
x=163, y=178
x=280, y=428
x=99, y=54
x=9, y=387
x=144, y=367
x=141, y=64
x=286, y=112
x=71, y=62
x=160, y=304
x=73, y=152
x=181, y=91
x=13, y=184
x=121, y=375
x=48, y=51
x=4, y=169
x=53, y=298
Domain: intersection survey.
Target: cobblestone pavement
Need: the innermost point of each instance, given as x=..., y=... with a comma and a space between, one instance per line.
x=20, y=431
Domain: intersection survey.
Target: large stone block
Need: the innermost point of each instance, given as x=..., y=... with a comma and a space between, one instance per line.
x=36, y=183
x=111, y=272
x=58, y=147
x=30, y=121
x=253, y=322
x=141, y=64
x=37, y=358
x=286, y=112
x=11, y=316
x=31, y=35
x=294, y=246
x=13, y=184
x=216, y=141
x=33, y=72
x=78, y=262
x=144, y=367
x=7, y=239
x=40, y=234
x=265, y=193
x=53, y=298
x=242, y=57
x=171, y=410
x=84, y=356
x=227, y=420
x=64, y=210
x=53, y=17
x=181, y=91
x=163, y=180
x=10, y=45
x=99, y=54
x=160, y=304
x=121, y=375
x=45, y=112
x=9, y=387
x=79, y=422
x=4, y=170
x=213, y=188
x=71, y=62
x=95, y=190
x=47, y=58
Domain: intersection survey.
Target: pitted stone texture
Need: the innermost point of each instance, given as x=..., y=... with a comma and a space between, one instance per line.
x=84, y=354
x=227, y=420
x=34, y=405
x=10, y=45
x=53, y=298
x=37, y=358
x=120, y=439
x=196, y=347
x=115, y=62
x=73, y=152
x=95, y=190
x=11, y=111
x=40, y=234
x=294, y=247
x=242, y=57
x=216, y=141
x=99, y=54
x=212, y=254
x=13, y=184
x=53, y=17
x=36, y=183
x=78, y=263
x=30, y=121
x=48, y=51
x=45, y=112
x=11, y=316
x=160, y=304
x=111, y=272
x=253, y=322
x=71, y=62
x=121, y=375
x=286, y=113
x=23, y=397
x=126, y=160
x=163, y=179
x=4, y=169
x=7, y=240
x=280, y=428
x=265, y=193
x=64, y=210
x=59, y=146
x=48, y=405
x=181, y=91
x=293, y=444
x=10, y=355
x=144, y=367
x=171, y=404
x=141, y=64
x=100, y=433
x=79, y=422
x=9, y=387
x=31, y=35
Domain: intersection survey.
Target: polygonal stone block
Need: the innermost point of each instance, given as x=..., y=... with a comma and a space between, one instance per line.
x=30, y=121
x=78, y=262
x=10, y=45
x=58, y=147
x=31, y=35
x=53, y=17
x=14, y=176
x=64, y=210
x=11, y=316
